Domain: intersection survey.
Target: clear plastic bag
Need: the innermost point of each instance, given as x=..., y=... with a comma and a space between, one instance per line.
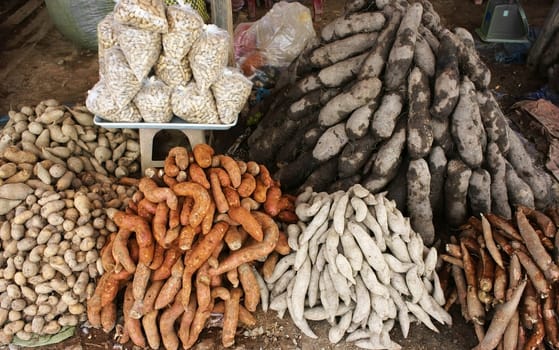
x=231, y=91
x=119, y=77
x=194, y=106
x=106, y=39
x=173, y=72
x=154, y=101
x=278, y=37
x=143, y=14
x=100, y=102
x=185, y=26
x=140, y=47
x=208, y=55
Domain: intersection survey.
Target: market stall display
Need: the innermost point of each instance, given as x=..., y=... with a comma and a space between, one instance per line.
x=356, y=263
x=402, y=102
x=56, y=189
x=504, y=276
x=188, y=59
x=185, y=248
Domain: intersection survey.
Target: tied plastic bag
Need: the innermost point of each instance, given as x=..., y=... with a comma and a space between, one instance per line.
x=106, y=39
x=231, y=91
x=193, y=105
x=143, y=14
x=278, y=37
x=140, y=47
x=208, y=55
x=119, y=77
x=100, y=102
x=173, y=72
x=185, y=26
x=154, y=101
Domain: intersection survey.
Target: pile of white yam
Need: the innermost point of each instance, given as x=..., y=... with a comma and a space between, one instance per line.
x=389, y=98
x=357, y=264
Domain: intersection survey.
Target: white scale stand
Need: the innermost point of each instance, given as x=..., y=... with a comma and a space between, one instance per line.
x=195, y=134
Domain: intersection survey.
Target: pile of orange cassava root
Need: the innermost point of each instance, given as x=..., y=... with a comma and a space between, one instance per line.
x=505, y=277
x=185, y=248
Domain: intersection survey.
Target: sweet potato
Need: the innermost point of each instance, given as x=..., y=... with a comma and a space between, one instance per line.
x=456, y=191
x=171, y=287
x=186, y=321
x=250, y=286
x=197, y=174
x=120, y=251
x=143, y=233
x=201, y=200
x=204, y=248
x=446, y=91
x=157, y=194
x=339, y=107
x=133, y=326
x=419, y=206
x=401, y=53
x=247, y=221
x=232, y=168
x=108, y=317
x=164, y=271
x=202, y=284
x=234, y=238
x=375, y=61
x=341, y=27
x=231, y=318
x=150, y=295
x=149, y=323
x=254, y=251
x=198, y=323
x=420, y=134
x=176, y=160
x=203, y=155
x=186, y=209
x=159, y=223
x=247, y=186
x=140, y=282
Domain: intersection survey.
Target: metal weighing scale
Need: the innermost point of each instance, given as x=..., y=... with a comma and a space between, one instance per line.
x=504, y=21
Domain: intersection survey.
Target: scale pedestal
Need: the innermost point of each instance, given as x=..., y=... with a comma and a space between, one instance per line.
x=504, y=21
x=157, y=138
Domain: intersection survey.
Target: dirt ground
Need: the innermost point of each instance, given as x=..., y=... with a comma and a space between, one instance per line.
x=40, y=64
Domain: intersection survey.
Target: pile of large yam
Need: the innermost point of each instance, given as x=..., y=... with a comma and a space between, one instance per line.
x=504, y=277
x=389, y=98
x=185, y=249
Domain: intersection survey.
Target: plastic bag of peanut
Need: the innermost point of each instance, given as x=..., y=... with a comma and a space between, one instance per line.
x=100, y=102
x=154, y=101
x=173, y=72
x=208, y=55
x=106, y=39
x=193, y=105
x=185, y=26
x=231, y=91
x=143, y=14
x=140, y=47
x=119, y=77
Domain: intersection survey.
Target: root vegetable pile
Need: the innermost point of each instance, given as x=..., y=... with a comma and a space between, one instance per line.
x=402, y=106
x=56, y=187
x=358, y=264
x=189, y=60
x=505, y=275
x=185, y=248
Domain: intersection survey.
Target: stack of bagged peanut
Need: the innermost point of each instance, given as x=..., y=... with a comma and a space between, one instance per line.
x=185, y=248
x=188, y=58
x=359, y=265
x=56, y=186
x=505, y=275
